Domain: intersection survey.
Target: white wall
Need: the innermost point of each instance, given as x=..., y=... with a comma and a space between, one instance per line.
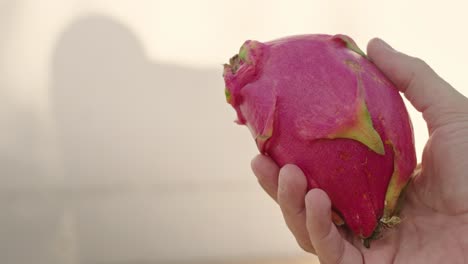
x=116, y=142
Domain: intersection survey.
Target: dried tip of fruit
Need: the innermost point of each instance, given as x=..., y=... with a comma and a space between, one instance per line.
x=337, y=219
x=384, y=223
x=236, y=61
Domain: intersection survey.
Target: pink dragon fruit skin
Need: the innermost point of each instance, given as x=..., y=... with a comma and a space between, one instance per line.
x=318, y=102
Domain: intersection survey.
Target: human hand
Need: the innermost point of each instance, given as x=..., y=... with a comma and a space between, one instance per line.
x=434, y=227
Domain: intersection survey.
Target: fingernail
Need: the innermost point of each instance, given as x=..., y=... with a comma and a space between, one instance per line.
x=385, y=45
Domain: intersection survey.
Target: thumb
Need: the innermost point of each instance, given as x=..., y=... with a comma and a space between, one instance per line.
x=426, y=91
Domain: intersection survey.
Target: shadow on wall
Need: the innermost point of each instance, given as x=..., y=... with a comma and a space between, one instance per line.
x=123, y=119
x=132, y=133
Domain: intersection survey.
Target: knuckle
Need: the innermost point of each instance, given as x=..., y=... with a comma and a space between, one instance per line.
x=419, y=62
x=421, y=67
x=291, y=210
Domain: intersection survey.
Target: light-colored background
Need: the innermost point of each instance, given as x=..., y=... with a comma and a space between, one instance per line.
x=116, y=144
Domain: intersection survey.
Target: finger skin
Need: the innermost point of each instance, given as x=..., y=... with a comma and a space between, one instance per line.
x=292, y=188
x=330, y=246
x=267, y=172
x=426, y=91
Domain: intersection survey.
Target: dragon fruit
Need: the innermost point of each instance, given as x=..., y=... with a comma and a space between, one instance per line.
x=318, y=102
